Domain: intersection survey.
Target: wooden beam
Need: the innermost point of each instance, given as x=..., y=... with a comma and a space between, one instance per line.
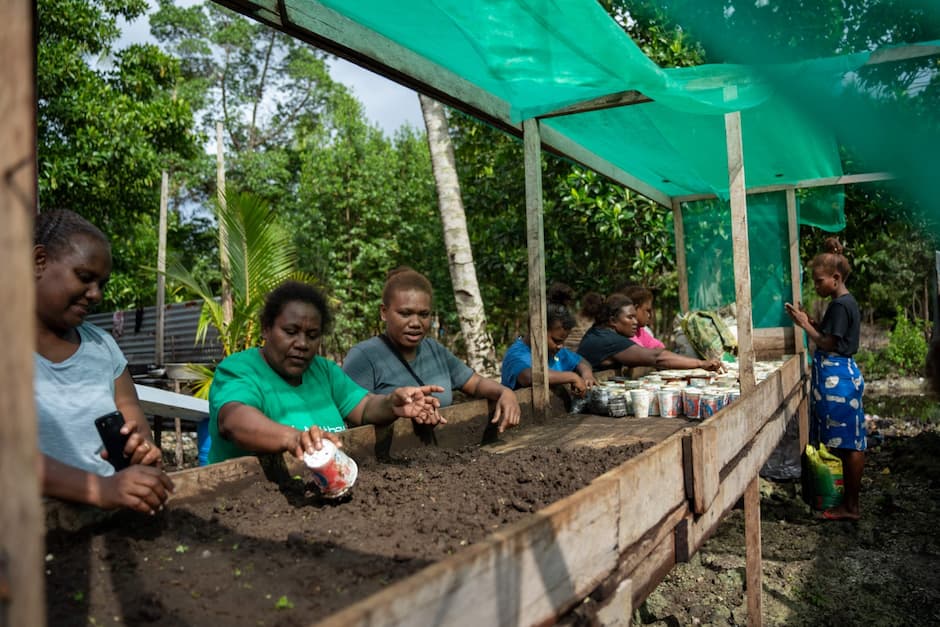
x=702, y=466
x=796, y=274
x=742, y=261
x=752, y=552
x=535, y=242
x=845, y=179
x=772, y=342
x=901, y=53
x=610, y=101
x=161, y=272
x=22, y=585
x=742, y=292
x=682, y=268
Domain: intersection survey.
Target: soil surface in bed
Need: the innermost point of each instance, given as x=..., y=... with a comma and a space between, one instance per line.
x=255, y=553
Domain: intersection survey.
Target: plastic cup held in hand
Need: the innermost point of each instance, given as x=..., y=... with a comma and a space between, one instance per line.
x=334, y=471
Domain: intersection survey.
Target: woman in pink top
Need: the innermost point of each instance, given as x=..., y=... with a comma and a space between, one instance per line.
x=643, y=301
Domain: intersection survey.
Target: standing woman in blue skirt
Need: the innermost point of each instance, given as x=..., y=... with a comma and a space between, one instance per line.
x=838, y=417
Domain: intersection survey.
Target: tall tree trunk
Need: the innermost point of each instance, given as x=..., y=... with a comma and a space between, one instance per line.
x=481, y=354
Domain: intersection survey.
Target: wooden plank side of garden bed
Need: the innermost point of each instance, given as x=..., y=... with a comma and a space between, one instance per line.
x=739, y=422
x=525, y=574
x=196, y=482
x=742, y=470
x=651, y=486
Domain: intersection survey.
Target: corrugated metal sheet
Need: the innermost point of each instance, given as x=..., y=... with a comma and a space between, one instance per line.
x=179, y=336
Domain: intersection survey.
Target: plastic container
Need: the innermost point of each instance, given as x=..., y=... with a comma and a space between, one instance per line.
x=692, y=403
x=641, y=402
x=334, y=471
x=670, y=402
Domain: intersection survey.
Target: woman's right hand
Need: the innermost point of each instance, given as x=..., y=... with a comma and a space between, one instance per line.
x=578, y=385
x=311, y=440
x=141, y=488
x=712, y=365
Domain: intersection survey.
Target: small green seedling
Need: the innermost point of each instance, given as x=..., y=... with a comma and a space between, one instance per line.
x=181, y=548
x=284, y=604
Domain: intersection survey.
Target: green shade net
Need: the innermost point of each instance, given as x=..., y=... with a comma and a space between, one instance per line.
x=709, y=251
x=537, y=56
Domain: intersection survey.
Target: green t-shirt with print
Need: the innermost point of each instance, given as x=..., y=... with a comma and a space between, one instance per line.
x=324, y=397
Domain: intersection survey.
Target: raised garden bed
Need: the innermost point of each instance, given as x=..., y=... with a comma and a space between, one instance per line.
x=254, y=553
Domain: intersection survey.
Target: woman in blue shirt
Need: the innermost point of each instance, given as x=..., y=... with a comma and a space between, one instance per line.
x=564, y=366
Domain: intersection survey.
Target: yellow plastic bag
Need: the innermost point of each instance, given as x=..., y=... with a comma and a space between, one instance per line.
x=822, y=478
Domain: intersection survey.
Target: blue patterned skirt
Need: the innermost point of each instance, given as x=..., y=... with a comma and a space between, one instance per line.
x=838, y=417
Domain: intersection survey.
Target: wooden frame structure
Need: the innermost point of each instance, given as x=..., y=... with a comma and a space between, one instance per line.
x=636, y=533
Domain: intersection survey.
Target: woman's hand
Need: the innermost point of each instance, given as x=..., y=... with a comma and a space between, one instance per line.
x=310, y=440
x=140, y=449
x=578, y=385
x=799, y=317
x=507, y=410
x=589, y=380
x=712, y=365
x=418, y=404
x=140, y=488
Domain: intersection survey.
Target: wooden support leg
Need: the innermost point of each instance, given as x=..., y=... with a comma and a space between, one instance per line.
x=177, y=424
x=753, y=552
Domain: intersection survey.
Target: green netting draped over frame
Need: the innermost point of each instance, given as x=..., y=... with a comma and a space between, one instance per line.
x=537, y=56
x=708, y=247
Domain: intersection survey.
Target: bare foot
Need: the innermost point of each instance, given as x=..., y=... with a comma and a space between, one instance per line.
x=840, y=513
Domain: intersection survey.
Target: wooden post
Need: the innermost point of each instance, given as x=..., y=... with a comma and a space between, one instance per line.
x=161, y=272
x=752, y=552
x=742, y=292
x=536, y=246
x=796, y=278
x=225, y=264
x=22, y=586
x=682, y=268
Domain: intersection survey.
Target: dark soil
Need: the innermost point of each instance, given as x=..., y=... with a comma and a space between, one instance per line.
x=260, y=554
x=882, y=570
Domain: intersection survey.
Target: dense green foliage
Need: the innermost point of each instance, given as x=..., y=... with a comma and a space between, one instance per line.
x=107, y=124
x=906, y=353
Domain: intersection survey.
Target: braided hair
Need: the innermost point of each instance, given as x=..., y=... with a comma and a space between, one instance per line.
x=54, y=231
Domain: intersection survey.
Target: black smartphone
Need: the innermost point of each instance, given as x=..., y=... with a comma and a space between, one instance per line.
x=109, y=428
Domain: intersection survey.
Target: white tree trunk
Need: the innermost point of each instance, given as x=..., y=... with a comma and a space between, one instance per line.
x=481, y=354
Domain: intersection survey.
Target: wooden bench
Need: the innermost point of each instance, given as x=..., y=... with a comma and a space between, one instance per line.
x=162, y=405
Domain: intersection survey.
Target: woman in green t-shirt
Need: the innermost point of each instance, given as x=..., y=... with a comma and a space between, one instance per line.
x=284, y=397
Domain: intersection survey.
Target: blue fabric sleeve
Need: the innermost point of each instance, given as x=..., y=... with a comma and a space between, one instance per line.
x=517, y=359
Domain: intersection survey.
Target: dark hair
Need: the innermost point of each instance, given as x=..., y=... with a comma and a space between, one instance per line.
x=559, y=295
x=295, y=292
x=405, y=278
x=594, y=306
x=54, y=231
x=638, y=294
x=832, y=260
